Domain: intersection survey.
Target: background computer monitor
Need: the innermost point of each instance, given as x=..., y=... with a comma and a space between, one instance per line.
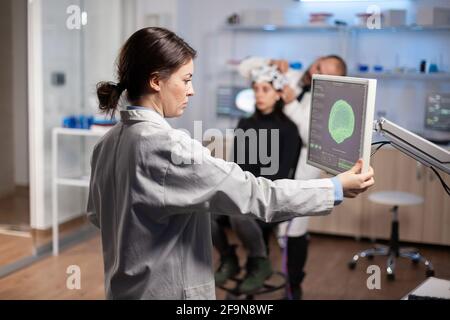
x=341, y=122
x=236, y=102
x=437, y=118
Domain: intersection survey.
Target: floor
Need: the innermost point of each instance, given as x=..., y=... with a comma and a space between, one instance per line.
x=17, y=239
x=15, y=208
x=327, y=274
x=14, y=248
x=46, y=279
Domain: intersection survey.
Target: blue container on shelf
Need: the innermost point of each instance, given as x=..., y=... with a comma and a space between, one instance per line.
x=433, y=68
x=70, y=122
x=78, y=122
x=377, y=68
x=104, y=122
x=85, y=122
x=90, y=121
x=81, y=123
x=296, y=65
x=363, y=68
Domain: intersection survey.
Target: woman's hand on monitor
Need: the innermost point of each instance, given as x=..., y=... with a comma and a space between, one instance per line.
x=354, y=182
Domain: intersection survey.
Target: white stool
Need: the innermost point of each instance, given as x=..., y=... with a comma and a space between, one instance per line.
x=393, y=251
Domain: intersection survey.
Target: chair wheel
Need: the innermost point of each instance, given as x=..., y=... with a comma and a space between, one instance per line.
x=430, y=273
x=352, y=265
x=391, y=276
x=415, y=261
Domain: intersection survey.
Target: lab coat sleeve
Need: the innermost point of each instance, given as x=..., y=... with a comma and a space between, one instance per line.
x=204, y=183
x=293, y=77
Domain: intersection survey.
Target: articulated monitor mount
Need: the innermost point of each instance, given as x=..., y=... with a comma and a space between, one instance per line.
x=418, y=148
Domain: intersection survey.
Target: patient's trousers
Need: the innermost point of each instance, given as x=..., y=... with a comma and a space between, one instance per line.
x=254, y=236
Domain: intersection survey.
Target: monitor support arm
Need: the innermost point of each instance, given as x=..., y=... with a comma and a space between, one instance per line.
x=427, y=153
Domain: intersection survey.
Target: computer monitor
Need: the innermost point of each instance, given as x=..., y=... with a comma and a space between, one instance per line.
x=235, y=101
x=437, y=118
x=341, y=122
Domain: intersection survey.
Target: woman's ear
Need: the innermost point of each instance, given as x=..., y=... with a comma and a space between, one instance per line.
x=155, y=82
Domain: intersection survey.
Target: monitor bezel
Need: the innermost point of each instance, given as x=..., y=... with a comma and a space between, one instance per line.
x=367, y=123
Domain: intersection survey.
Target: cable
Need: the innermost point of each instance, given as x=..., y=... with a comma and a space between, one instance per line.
x=381, y=144
x=446, y=187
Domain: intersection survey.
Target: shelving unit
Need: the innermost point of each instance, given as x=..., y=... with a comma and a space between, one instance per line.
x=348, y=33
x=347, y=42
x=441, y=76
x=293, y=28
x=79, y=181
x=306, y=28
x=412, y=28
x=399, y=50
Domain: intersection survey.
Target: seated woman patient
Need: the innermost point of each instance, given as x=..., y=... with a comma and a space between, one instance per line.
x=276, y=133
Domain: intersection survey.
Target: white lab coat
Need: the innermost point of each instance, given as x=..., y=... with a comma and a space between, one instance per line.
x=154, y=213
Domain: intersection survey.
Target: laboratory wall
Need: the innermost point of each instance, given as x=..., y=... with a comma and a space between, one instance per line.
x=13, y=90
x=20, y=94
x=6, y=102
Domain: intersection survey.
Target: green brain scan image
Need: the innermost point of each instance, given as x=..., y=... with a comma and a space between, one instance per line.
x=341, y=123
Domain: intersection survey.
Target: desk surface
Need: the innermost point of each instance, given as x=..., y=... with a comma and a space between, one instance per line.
x=432, y=288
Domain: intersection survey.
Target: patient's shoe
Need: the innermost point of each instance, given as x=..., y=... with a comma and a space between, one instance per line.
x=258, y=270
x=229, y=267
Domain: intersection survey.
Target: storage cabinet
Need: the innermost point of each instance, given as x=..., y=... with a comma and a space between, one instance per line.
x=395, y=171
x=345, y=219
x=436, y=218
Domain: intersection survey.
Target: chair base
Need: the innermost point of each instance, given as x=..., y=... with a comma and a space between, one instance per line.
x=411, y=254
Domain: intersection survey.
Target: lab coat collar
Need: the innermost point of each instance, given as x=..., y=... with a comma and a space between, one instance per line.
x=149, y=115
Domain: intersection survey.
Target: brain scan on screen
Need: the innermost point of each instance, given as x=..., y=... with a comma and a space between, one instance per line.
x=341, y=123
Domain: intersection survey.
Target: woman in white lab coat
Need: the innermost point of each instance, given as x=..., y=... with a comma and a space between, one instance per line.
x=153, y=188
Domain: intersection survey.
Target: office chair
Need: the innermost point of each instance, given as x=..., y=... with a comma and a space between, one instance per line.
x=394, y=251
